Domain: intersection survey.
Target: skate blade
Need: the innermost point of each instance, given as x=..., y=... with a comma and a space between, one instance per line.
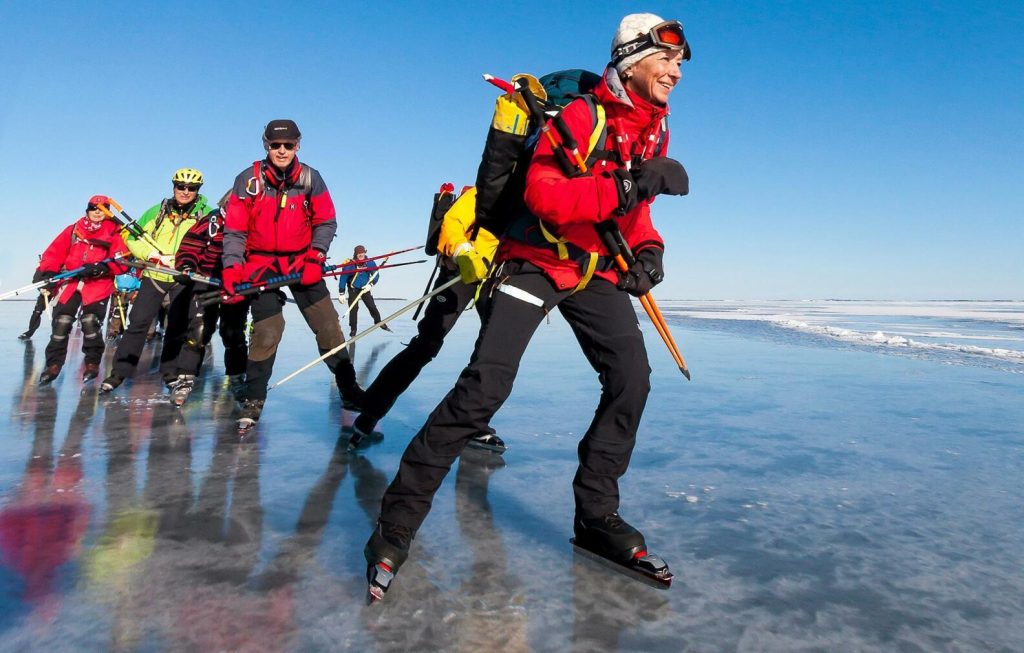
x=657, y=581
x=473, y=444
x=380, y=577
x=374, y=594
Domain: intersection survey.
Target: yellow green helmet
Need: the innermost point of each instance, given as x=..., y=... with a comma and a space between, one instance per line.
x=187, y=176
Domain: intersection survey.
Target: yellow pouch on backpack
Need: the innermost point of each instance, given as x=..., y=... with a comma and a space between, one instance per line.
x=509, y=117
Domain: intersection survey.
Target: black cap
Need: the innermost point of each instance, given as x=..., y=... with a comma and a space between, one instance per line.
x=281, y=130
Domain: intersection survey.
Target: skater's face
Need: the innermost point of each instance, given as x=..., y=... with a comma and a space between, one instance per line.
x=654, y=76
x=282, y=153
x=185, y=193
x=95, y=215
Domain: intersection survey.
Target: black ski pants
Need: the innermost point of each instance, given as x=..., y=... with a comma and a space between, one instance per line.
x=144, y=310
x=37, y=315
x=200, y=332
x=64, y=319
x=229, y=320
x=439, y=317
x=353, y=313
x=318, y=310
x=605, y=325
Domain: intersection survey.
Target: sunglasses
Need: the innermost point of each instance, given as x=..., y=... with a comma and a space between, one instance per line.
x=668, y=34
x=186, y=187
x=92, y=207
x=277, y=146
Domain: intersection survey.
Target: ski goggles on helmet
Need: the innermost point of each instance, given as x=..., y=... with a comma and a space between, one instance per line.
x=667, y=34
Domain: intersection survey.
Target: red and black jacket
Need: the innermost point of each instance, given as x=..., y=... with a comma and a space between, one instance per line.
x=273, y=218
x=571, y=206
x=202, y=246
x=78, y=245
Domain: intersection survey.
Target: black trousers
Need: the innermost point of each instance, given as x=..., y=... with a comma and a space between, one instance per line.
x=353, y=313
x=439, y=317
x=144, y=310
x=37, y=314
x=605, y=325
x=318, y=310
x=200, y=332
x=229, y=320
x=91, y=321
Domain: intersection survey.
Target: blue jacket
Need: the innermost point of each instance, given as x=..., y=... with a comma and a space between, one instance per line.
x=357, y=275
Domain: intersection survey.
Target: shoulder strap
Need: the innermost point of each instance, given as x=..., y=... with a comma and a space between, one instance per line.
x=305, y=180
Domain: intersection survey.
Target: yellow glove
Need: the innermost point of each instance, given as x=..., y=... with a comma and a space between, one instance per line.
x=472, y=266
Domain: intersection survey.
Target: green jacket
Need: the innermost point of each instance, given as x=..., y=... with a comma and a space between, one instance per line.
x=165, y=228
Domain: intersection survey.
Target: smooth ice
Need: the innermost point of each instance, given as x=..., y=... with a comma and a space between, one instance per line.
x=811, y=491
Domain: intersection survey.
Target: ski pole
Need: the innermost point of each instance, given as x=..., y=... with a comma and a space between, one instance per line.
x=394, y=253
x=358, y=336
x=120, y=310
x=426, y=289
x=336, y=270
x=618, y=247
x=194, y=276
x=129, y=224
x=52, y=280
x=280, y=281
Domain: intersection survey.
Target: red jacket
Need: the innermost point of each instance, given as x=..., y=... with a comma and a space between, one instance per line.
x=78, y=245
x=274, y=218
x=570, y=207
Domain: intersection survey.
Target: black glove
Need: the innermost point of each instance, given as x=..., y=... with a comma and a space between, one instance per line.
x=185, y=267
x=645, y=273
x=626, y=187
x=95, y=270
x=42, y=275
x=660, y=176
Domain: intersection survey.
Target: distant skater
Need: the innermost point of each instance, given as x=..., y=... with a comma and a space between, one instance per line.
x=360, y=275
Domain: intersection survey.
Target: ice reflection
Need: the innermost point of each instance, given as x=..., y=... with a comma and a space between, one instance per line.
x=43, y=524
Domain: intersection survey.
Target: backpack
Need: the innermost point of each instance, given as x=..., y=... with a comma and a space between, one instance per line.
x=501, y=176
x=443, y=200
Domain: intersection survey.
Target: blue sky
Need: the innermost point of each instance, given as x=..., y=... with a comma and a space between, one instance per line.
x=835, y=150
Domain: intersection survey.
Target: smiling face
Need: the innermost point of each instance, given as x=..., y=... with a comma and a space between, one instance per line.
x=95, y=215
x=654, y=76
x=185, y=193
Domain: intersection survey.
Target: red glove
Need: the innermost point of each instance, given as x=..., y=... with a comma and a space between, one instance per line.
x=232, y=275
x=313, y=270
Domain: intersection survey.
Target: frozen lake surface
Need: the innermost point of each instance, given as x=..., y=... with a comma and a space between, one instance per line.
x=838, y=476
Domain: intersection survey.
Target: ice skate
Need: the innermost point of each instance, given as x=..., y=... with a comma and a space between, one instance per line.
x=611, y=541
x=49, y=374
x=487, y=442
x=91, y=371
x=385, y=552
x=111, y=382
x=181, y=388
x=249, y=415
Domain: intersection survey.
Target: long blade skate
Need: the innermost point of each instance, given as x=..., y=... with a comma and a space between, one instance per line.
x=379, y=577
x=645, y=567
